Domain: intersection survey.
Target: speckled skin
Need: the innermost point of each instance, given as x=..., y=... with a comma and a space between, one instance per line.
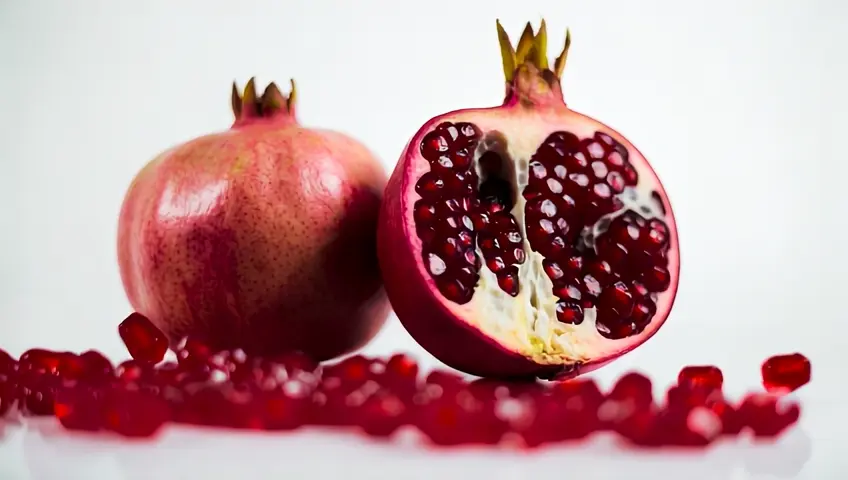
x=261, y=237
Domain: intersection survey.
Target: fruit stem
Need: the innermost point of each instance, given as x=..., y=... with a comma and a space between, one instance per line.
x=529, y=80
x=271, y=105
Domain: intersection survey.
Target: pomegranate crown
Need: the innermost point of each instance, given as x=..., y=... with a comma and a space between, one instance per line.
x=527, y=63
x=271, y=104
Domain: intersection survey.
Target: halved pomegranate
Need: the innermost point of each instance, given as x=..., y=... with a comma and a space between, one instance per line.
x=527, y=239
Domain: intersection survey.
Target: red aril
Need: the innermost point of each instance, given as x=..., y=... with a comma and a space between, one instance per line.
x=79, y=408
x=143, y=340
x=768, y=415
x=7, y=363
x=786, y=373
x=134, y=414
x=707, y=376
x=633, y=392
x=527, y=239
x=261, y=237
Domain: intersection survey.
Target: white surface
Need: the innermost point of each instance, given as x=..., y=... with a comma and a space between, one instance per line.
x=738, y=104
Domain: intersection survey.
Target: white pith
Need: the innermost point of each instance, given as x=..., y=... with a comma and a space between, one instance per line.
x=514, y=322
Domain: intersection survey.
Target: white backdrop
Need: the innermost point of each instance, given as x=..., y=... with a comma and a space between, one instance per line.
x=739, y=105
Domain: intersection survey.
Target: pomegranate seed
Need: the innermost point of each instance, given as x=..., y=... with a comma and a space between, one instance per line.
x=401, y=375
x=143, y=340
x=633, y=392
x=131, y=370
x=767, y=415
x=707, y=376
x=689, y=396
x=79, y=408
x=459, y=419
x=193, y=353
x=134, y=414
x=38, y=360
x=7, y=363
x=382, y=414
x=786, y=373
x=285, y=409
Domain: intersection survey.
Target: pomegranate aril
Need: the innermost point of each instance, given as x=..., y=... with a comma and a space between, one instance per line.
x=569, y=312
x=767, y=415
x=79, y=408
x=786, y=373
x=704, y=376
x=633, y=392
x=193, y=353
x=7, y=362
x=8, y=394
x=434, y=145
x=279, y=410
x=38, y=360
x=508, y=281
x=143, y=340
x=459, y=419
x=134, y=414
x=382, y=414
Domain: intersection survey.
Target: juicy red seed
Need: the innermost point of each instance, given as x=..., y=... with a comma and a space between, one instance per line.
x=143, y=340
x=705, y=376
x=382, y=414
x=40, y=361
x=768, y=416
x=508, y=281
x=786, y=373
x=134, y=414
x=569, y=312
x=79, y=408
x=131, y=370
x=634, y=388
x=193, y=353
x=279, y=410
x=7, y=362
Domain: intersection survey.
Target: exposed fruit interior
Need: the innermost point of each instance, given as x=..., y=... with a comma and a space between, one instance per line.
x=563, y=239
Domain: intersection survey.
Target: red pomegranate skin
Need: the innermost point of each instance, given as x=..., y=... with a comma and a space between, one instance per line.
x=261, y=237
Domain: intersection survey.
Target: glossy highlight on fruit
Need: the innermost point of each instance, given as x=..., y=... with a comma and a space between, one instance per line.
x=527, y=239
x=261, y=237
x=786, y=373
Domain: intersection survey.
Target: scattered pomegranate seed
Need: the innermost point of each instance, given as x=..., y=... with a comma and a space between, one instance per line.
x=767, y=415
x=79, y=408
x=143, y=340
x=134, y=414
x=379, y=396
x=708, y=376
x=786, y=373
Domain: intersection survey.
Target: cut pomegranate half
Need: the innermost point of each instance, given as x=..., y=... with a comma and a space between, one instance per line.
x=527, y=239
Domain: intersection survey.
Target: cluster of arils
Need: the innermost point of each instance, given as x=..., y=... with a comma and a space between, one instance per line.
x=378, y=396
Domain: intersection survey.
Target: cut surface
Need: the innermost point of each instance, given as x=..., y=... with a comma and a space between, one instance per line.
x=558, y=244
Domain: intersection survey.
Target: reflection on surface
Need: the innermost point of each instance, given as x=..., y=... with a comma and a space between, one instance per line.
x=50, y=453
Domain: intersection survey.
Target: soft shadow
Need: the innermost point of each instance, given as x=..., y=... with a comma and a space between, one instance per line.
x=181, y=452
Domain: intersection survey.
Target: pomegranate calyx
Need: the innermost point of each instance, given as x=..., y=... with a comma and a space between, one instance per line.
x=529, y=80
x=271, y=104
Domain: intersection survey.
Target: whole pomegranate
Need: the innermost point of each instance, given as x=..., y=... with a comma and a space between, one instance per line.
x=527, y=239
x=261, y=237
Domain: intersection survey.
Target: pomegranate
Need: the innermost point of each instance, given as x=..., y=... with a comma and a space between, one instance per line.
x=261, y=237
x=527, y=239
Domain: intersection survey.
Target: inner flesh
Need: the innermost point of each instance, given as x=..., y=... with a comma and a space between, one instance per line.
x=545, y=247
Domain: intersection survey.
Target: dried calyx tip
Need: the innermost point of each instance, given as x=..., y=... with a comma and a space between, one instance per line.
x=270, y=103
x=532, y=48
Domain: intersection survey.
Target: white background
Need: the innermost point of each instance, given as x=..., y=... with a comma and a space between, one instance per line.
x=738, y=104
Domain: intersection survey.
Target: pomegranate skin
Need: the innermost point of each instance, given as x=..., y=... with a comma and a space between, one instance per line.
x=262, y=237
x=442, y=327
